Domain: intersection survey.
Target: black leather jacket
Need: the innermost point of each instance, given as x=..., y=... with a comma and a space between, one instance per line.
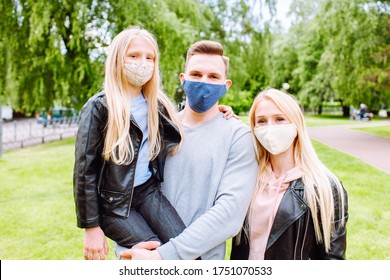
x=292, y=236
x=103, y=187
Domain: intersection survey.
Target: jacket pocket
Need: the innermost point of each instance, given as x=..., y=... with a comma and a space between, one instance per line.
x=113, y=203
x=111, y=197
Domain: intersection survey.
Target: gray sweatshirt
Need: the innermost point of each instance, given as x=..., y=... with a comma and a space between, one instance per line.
x=210, y=182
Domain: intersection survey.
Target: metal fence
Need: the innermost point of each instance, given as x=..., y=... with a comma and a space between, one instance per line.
x=27, y=132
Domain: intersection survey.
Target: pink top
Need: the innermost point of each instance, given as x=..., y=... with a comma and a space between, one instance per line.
x=264, y=211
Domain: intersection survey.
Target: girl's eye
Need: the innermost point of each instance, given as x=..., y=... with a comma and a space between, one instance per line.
x=280, y=119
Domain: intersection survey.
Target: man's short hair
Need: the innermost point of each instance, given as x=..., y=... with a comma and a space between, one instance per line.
x=209, y=48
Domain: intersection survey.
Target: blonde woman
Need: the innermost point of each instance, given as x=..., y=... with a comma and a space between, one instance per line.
x=299, y=209
x=124, y=136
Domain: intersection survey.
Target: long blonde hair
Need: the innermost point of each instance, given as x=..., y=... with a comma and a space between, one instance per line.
x=117, y=143
x=317, y=179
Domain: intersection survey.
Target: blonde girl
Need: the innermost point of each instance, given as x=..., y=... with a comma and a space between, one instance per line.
x=299, y=209
x=125, y=133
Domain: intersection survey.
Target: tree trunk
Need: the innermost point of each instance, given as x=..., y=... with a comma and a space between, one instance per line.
x=345, y=111
x=320, y=109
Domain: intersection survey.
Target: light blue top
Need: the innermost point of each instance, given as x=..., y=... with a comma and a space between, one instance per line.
x=139, y=110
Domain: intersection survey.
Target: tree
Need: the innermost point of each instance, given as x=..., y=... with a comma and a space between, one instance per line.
x=357, y=45
x=342, y=49
x=283, y=62
x=246, y=42
x=49, y=51
x=55, y=50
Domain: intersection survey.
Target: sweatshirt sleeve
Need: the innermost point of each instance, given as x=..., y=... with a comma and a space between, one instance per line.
x=225, y=218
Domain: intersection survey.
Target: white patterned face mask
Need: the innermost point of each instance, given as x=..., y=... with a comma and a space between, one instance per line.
x=138, y=74
x=276, y=139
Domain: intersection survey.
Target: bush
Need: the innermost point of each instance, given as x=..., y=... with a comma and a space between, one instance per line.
x=241, y=101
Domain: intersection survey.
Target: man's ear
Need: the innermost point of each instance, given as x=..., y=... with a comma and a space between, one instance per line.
x=182, y=77
x=228, y=83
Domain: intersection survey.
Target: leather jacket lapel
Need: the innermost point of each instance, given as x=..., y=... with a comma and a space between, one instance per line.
x=291, y=208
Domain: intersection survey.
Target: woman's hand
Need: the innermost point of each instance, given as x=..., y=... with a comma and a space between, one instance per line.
x=228, y=112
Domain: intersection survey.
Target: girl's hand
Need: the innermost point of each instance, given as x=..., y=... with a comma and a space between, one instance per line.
x=95, y=244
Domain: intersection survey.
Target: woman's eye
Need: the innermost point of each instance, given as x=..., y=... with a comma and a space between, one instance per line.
x=280, y=119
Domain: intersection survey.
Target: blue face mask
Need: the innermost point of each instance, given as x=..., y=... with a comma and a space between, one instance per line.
x=202, y=96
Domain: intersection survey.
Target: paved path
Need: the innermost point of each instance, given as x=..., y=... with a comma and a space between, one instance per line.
x=372, y=149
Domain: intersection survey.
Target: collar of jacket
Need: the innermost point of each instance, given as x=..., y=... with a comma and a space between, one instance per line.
x=169, y=131
x=291, y=208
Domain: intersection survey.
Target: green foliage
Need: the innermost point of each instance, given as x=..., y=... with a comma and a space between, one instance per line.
x=48, y=47
x=283, y=62
x=240, y=102
x=54, y=51
x=334, y=50
x=353, y=40
x=342, y=52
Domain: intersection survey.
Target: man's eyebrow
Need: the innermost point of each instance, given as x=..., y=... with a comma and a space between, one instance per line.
x=215, y=73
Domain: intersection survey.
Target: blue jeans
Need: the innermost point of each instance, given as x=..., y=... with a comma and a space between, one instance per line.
x=152, y=217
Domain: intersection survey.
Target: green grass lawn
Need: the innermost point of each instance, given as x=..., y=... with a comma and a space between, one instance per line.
x=326, y=120
x=36, y=201
x=382, y=131
x=369, y=208
x=38, y=217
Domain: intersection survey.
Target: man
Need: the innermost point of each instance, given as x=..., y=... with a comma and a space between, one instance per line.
x=210, y=180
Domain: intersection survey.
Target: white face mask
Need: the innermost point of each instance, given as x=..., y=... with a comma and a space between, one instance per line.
x=276, y=139
x=138, y=74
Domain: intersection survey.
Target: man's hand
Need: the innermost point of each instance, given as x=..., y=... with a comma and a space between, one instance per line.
x=142, y=251
x=228, y=112
x=95, y=244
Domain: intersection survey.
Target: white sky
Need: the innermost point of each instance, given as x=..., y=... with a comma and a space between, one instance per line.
x=282, y=8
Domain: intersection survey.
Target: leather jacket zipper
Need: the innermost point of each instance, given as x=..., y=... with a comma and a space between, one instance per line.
x=304, y=235
x=297, y=239
x=132, y=191
x=135, y=169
